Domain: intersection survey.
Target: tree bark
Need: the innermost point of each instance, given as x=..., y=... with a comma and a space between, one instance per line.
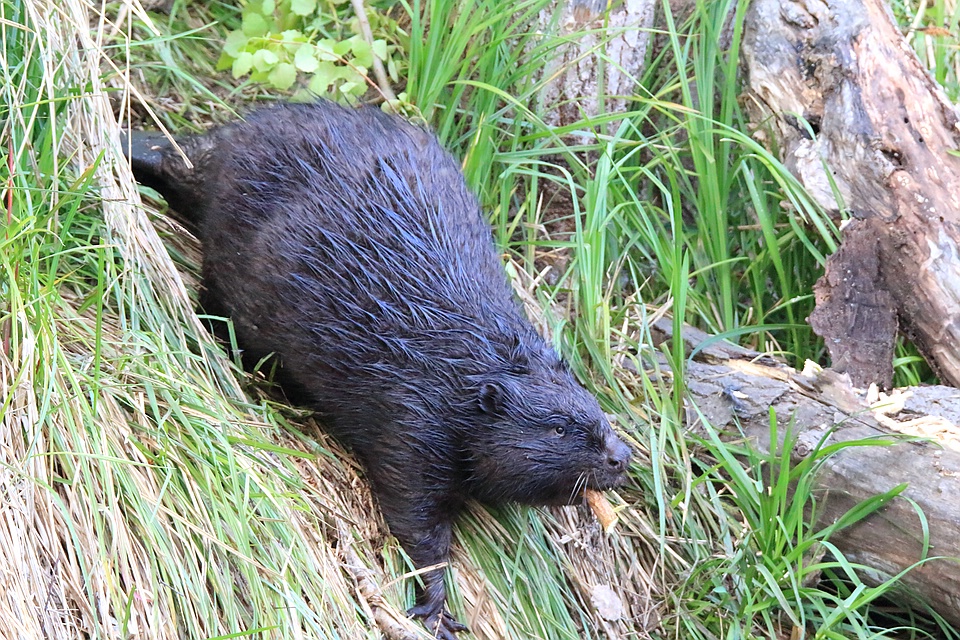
x=603, y=54
x=885, y=131
x=606, y=58
x=734, y=389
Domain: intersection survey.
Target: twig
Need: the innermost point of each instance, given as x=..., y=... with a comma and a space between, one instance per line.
x=393, y=625
x=381, y=74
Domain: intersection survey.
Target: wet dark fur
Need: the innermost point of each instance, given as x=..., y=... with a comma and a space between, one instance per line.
x=347, y=243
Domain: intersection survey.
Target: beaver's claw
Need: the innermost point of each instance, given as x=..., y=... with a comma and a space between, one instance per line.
x=437, y=620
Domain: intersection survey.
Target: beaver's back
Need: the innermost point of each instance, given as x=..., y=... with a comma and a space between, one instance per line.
x=346, y=241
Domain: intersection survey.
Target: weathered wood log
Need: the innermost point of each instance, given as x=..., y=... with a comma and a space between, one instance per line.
x=885, y=131
x=734, y=389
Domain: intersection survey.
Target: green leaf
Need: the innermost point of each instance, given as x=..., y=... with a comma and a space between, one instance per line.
x=362, y=51
x=225, y=62
x=303, y=7
x=342, y=48
x=254, y=25
x=322, y=79
x=353, y=88
x=264, y=60
x=349, y=74
x=235, y=43
x=393, y=70
x=380, y=49
x=243, y=64
x=302, y=96
x=325, y=50
x=268, y=7
x=283, y=76
x=306, y=59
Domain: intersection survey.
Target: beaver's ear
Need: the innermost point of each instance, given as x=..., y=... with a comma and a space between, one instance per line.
x=491, y=397
x=514, y=353
x=519, y=356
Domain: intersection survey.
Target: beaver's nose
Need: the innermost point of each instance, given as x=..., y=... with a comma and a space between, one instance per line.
x=618, y=454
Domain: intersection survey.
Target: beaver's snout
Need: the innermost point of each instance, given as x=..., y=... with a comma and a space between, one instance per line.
x=618, y=455
x=613, y=472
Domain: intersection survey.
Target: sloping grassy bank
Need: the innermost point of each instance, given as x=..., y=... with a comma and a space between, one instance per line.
x=153, y=490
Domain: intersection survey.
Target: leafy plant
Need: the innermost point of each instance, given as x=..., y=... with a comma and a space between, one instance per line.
x=310, y=44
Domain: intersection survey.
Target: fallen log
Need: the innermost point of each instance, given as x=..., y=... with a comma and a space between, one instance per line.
x=734, y=389
x=855, y=114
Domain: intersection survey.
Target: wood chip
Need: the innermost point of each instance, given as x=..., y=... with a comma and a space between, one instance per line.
x=602, y=508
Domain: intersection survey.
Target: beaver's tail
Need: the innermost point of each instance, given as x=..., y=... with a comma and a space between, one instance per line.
x=159, y=164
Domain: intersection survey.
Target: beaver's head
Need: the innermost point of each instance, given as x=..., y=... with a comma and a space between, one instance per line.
x=540, y=437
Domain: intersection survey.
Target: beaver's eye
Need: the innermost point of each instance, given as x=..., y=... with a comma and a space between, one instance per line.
x=560, y=429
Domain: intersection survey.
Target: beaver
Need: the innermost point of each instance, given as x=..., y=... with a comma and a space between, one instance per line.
x=346, y=243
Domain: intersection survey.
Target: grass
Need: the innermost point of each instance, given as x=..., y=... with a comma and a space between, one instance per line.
x=933, y=29
x=154, y=490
